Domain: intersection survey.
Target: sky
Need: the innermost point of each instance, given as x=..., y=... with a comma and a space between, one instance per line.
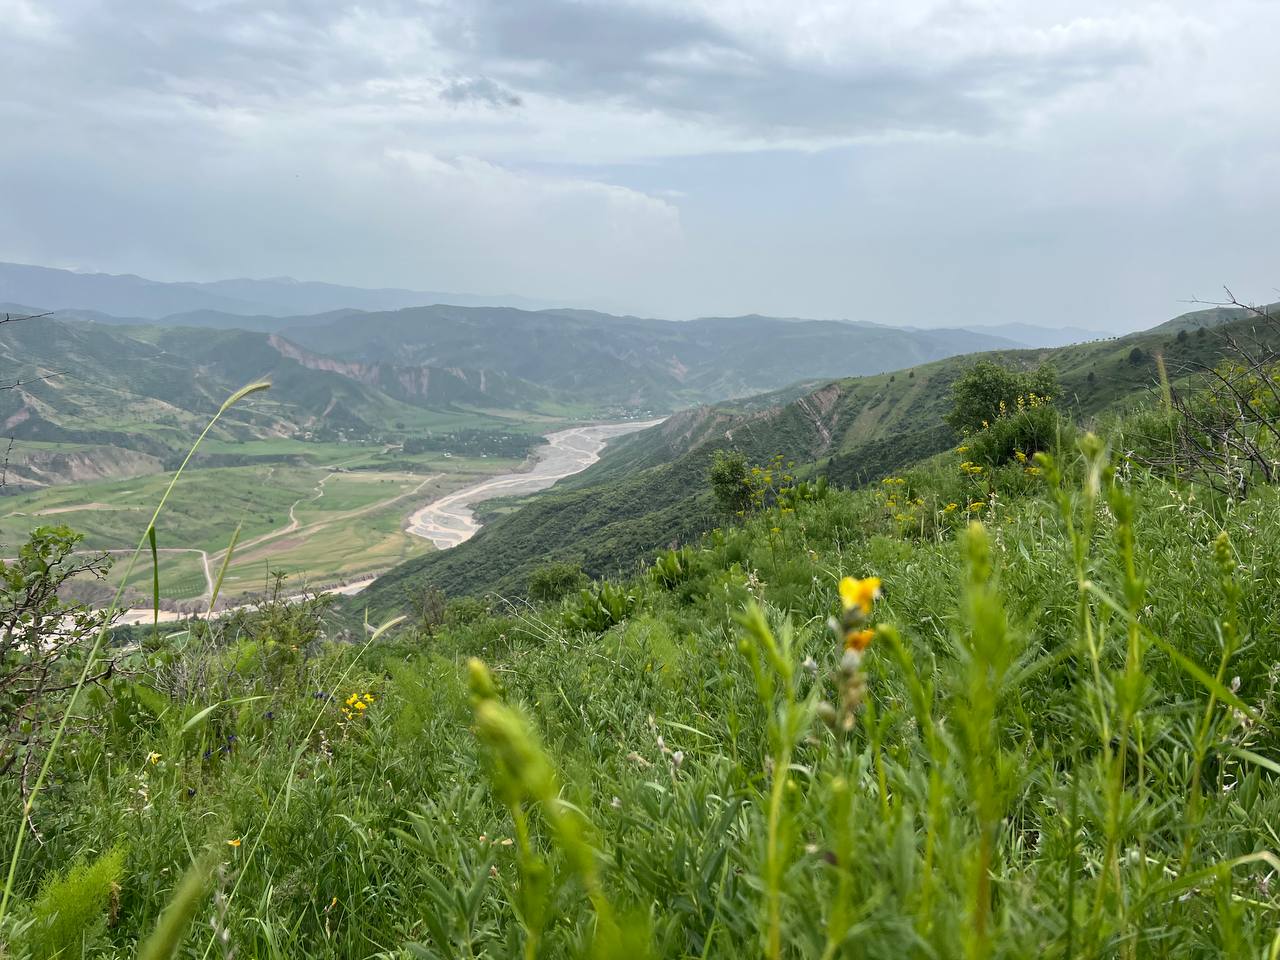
x=933, y=162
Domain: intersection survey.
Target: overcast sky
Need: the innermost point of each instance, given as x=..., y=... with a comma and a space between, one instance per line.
x=926, y=161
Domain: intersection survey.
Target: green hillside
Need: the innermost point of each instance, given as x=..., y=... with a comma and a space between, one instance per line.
x=648, y=491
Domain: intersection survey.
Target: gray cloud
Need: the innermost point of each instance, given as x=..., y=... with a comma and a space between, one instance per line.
x=479, y=90
x=667, y=156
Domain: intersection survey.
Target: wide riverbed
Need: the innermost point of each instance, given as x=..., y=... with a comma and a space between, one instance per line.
x=450, y=521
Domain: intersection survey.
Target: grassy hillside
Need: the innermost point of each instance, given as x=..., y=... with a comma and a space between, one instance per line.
x=642, y=364
x=151, y=389
x=1051, y=732
x=648, y=492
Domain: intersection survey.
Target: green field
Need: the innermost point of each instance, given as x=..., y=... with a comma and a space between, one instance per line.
x=331, y=512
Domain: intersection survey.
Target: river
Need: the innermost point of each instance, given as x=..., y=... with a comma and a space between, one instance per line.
x=449, y=521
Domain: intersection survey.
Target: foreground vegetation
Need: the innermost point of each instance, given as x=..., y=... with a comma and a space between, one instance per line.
x=1016, y=701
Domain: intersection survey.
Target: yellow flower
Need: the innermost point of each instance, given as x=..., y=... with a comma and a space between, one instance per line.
x=859, y=593
x=859, y=640
x=1022, y=457
x=977, y=505
x=361, y=705
x=948, y=508
x=153, y=758
x=234, y=843
x=368, y=698
x=351, y=700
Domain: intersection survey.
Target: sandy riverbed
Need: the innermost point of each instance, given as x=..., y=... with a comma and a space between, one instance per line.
x=449, y=521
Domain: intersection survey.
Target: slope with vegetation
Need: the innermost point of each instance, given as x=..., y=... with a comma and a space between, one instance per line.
x=1017, y=699
x=646, y=492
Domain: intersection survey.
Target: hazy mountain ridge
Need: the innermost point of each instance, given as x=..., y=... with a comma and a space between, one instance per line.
x=129, y=295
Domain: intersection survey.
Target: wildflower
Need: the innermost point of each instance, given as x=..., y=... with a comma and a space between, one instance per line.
x=234, y=843
x=368, y=698
x=949, y=508
x=1022, y=457
x=977, y=505
x=361, y=705
x=1033, y=471
x=859, y=640
x=153, y=758
x=859, y=593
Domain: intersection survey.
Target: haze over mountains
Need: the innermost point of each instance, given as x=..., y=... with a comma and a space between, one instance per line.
x=260, y=304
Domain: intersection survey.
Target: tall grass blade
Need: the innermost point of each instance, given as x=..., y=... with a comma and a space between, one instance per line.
x=222, y=571
x=155, y=577
x=172, y=926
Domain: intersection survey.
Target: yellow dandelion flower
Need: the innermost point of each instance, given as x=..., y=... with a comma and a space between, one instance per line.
x=234, y=843
x=859, y=593
x=859, y=640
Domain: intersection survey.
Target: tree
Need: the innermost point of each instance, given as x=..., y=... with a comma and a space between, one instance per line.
x=987, y=388
x=731, y=481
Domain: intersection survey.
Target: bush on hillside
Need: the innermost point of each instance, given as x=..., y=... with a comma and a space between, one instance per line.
x=731, y=481
x=1027, y=430
x=553, y=581
x=987, y=389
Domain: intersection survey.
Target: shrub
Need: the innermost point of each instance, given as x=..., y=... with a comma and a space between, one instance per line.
x=986, y=388
x=73, y=904
x=731, y=481
x=461, y=611
x=1026, y=431
x=554, y=581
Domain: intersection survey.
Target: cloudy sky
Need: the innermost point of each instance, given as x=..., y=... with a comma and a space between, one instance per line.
x=921, y=161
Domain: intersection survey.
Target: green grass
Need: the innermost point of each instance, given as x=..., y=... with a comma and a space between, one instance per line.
x=1062, y=742
x=354, y=528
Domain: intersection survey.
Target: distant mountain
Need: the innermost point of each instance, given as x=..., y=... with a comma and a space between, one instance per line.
x=151, y=389
x=1031, y=335
x=605, y=364
x=126, y=295
x=1215, y=316
x=630, y=361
